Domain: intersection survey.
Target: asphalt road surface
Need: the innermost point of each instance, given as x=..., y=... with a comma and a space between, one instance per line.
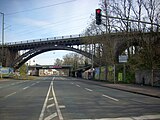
x=66, y=98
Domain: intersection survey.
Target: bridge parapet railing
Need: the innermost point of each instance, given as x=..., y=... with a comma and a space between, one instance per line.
x=45, y=39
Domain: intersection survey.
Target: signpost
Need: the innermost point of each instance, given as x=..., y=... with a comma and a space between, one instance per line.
x=1, y=69
x=123, y=59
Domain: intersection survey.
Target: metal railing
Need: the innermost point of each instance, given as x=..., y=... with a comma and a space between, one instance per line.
x=46, y=39
x=59, y=38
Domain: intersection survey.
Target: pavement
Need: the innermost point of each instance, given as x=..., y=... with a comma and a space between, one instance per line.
x=134, y=88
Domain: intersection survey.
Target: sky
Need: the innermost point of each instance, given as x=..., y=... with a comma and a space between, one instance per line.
x=36, y=19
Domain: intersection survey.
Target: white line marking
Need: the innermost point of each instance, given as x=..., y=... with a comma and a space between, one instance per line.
x=144, y=117
x=88, y=89
x=10, y=94
x=25, y=87
x=51, y=105
x=13, y=84
x=72, y=83
x=110, y=97
x=50, y=98
x=62, y=106
x=56, y=103
x=147, y=117
x=51, y=116
x=33, y=84
x=44, y=105
x=78, y=85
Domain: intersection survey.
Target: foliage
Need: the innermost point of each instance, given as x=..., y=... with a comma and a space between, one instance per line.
x=23, y=71
x=145, y=57
x=58, y=62
x=130, y=76
x=73, y=59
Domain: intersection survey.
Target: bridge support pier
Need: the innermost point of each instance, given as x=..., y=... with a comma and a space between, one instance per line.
x=9, y=57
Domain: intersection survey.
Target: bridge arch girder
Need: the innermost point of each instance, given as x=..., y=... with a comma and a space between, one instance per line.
x=34, y=52
x=123, y=46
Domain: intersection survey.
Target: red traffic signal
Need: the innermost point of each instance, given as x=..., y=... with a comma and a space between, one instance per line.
x=98, y=11
x=98, y=16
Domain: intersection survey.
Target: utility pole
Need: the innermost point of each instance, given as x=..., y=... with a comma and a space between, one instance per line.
x=107, y=22
x=2, y=49
x=2, y=37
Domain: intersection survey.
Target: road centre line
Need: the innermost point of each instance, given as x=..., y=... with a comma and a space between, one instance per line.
x=59, y=114
x=10, y=94
x=44, y=105
x=110, y=97
x=88, y=89
x=56, y=103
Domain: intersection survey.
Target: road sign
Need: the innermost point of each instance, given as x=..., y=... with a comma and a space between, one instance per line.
x=123, y=58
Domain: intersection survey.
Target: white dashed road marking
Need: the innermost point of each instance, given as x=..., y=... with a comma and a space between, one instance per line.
x=88, y=89
x=25, y=87
x=10, y=94
x=78, y=85
x=110, y=97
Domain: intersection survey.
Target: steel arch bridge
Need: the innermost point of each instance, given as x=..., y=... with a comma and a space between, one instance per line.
x=33, y=52
x=74, y=43
x=97, y=46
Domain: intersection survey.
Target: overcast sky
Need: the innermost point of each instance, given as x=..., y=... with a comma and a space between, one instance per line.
x=35, y=19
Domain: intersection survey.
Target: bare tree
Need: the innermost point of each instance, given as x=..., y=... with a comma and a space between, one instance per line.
x=58, y=62
x=140, y=10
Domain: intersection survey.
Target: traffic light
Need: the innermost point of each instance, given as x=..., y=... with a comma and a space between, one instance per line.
x=98, y=16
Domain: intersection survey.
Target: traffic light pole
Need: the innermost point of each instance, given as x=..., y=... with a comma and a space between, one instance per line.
x=130, y=20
